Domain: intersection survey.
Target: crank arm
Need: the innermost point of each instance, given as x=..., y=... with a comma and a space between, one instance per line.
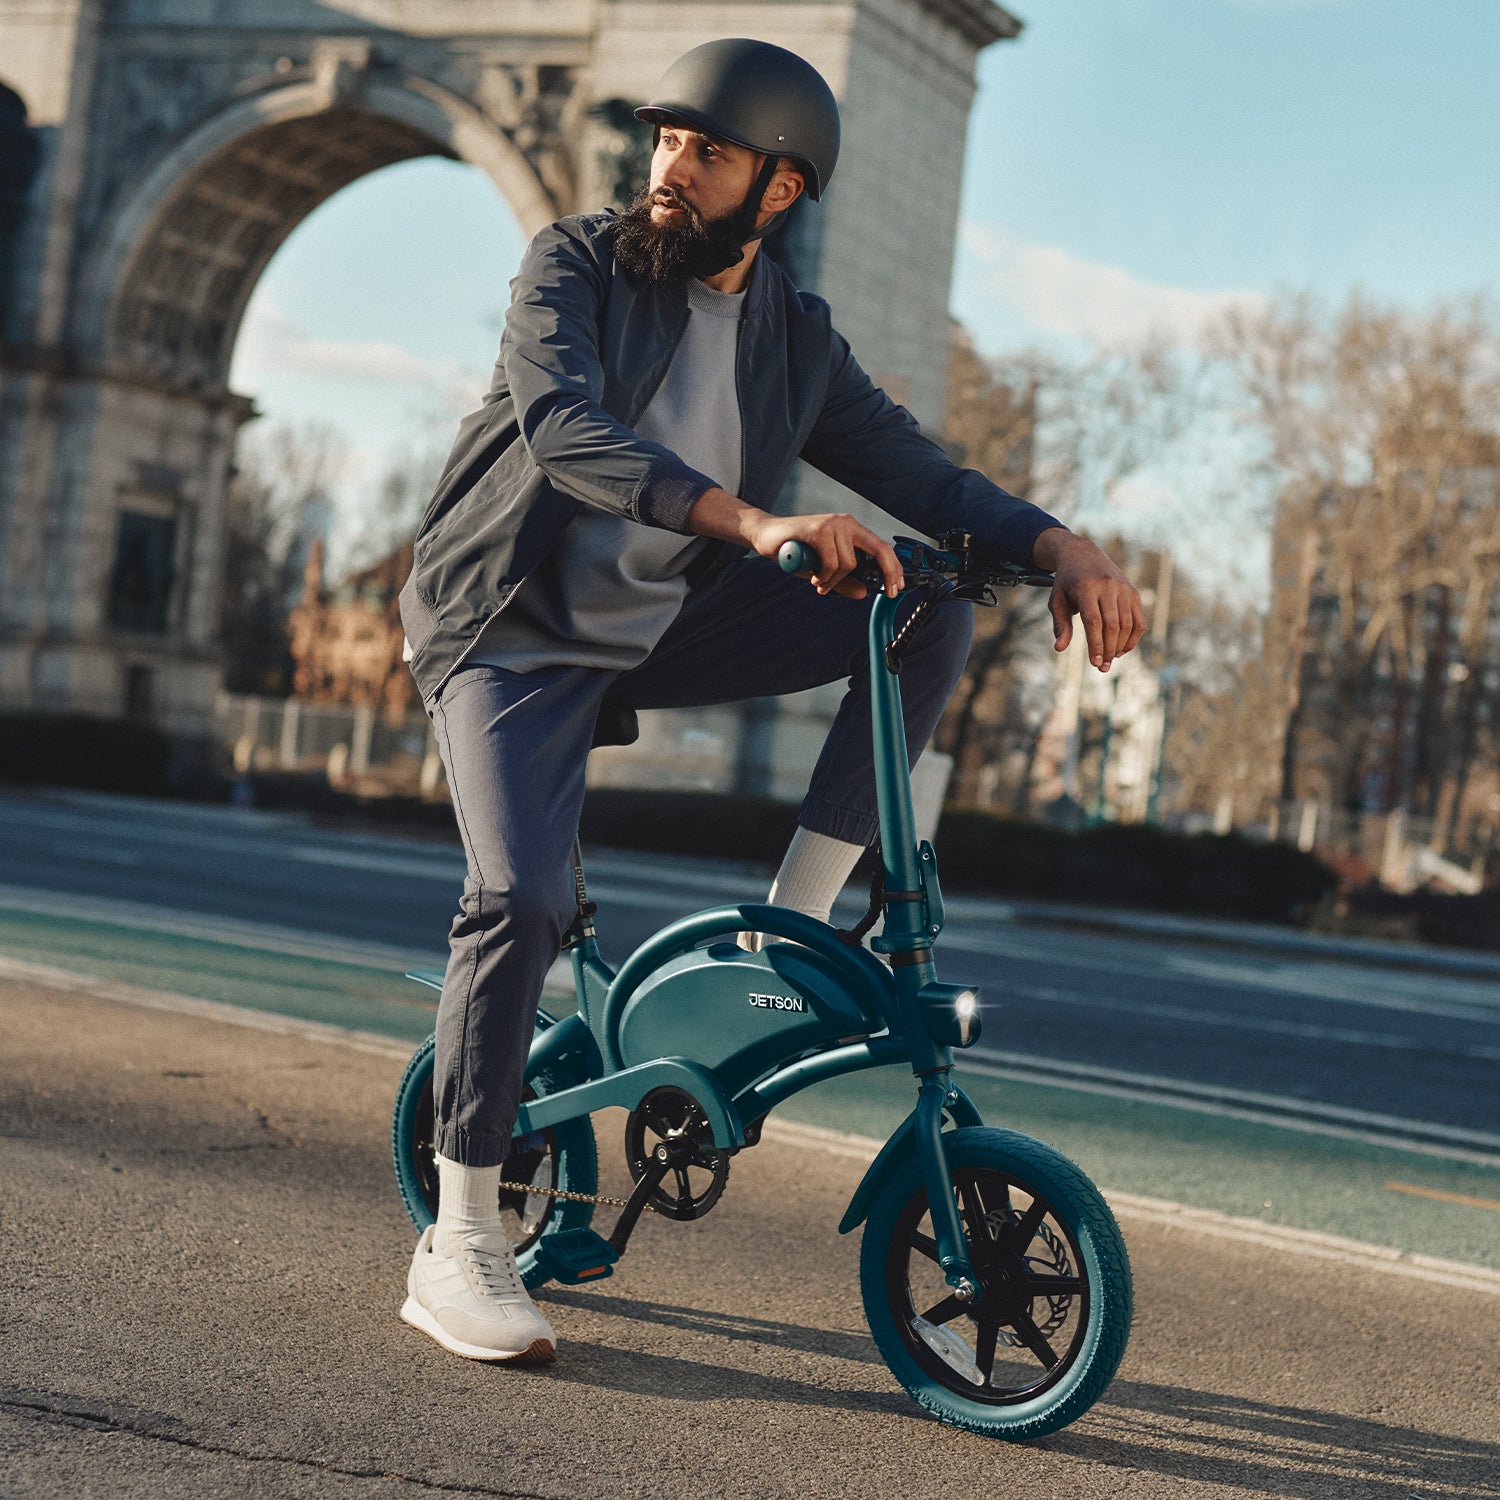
x=635, y=1205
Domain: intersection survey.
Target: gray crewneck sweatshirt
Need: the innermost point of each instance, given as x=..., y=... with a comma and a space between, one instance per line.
x=612, y=586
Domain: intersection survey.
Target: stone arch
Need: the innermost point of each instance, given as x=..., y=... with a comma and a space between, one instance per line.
x=167, y=286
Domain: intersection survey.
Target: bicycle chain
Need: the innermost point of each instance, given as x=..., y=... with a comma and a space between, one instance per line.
x=564, y=1194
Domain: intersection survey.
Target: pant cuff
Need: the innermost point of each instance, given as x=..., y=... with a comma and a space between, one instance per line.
x=833, y=821
x=472, y=1148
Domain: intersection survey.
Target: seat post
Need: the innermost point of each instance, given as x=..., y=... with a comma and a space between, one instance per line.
x=582, y=928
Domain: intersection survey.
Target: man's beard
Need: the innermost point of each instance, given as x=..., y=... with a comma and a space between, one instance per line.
x=696, y=247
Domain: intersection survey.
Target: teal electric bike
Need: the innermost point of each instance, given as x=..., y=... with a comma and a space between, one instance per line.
x=993, y=1273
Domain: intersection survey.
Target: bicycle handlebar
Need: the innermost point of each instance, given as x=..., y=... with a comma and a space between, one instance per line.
x=956, y=557
x=793, y=557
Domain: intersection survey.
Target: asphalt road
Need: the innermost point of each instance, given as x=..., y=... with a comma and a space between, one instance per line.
x=202, y=1260
x=1356, y=1044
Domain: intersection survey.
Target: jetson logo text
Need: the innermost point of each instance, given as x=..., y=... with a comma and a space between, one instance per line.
x=780, y=1002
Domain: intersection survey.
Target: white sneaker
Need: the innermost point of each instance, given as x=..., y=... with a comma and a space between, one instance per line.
x=473, y=1302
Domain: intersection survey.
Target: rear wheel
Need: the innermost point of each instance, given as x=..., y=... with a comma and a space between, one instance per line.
x=1036, y=1347
x=563, y=1157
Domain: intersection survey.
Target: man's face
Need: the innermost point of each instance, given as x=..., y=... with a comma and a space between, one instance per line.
x=696, y=174
x=693, y=217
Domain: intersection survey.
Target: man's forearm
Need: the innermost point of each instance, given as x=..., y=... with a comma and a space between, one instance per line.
x=726, y=518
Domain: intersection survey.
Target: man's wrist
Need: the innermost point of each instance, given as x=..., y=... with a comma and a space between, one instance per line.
x=1047, y=549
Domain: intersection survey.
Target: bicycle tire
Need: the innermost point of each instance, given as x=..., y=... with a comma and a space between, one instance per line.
x=1072, y=1260
x=570, y=1147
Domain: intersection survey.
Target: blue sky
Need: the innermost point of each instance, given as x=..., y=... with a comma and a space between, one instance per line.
x=1131, y=163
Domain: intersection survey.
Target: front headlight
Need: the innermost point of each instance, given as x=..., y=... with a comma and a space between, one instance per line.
x=950, y=1013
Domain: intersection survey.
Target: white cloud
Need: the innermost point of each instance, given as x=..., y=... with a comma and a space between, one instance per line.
x=1055, y=292
x=273, y=344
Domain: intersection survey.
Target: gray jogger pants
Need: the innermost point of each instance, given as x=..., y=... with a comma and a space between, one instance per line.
x=514, y=745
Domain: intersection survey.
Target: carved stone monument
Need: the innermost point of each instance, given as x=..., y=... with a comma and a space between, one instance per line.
x=155, y=153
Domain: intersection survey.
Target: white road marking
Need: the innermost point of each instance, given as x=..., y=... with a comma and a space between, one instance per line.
x=1336, y=982
x=1176, y=1098
x=1212, y=1091
x=837, y=1143
x=448, y=868
x=143, y=917
x=1245, y=1021
x=1204, y=1221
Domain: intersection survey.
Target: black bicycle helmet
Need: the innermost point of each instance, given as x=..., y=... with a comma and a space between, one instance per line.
x=755, y=95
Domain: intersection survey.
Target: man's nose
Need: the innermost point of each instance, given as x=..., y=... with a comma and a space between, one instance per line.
x=672, y=169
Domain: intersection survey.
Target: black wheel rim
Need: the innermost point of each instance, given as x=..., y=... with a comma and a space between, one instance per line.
x=1025, y=1330
x=533, y=1162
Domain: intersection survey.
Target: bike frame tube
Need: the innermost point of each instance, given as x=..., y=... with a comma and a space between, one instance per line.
x=761, y=1098
x=592, y=977
x=905, y=932
x=898, y=827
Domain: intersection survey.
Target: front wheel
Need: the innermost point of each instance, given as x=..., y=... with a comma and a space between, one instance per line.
x=563, y=1157
x=1036, y=1348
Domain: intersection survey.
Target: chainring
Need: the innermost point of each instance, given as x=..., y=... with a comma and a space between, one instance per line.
x=671, y=1119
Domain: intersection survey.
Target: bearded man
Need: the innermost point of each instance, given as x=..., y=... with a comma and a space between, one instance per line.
x=606, y=523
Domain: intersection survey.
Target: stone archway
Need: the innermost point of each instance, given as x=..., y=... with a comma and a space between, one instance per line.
x=177, y=155
x=175, y=307
x=112, y=532
x=166, y=287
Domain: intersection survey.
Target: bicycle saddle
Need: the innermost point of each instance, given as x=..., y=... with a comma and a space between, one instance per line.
x=617, y=724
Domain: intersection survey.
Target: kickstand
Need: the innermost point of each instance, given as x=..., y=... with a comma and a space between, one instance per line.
x=635, y=1205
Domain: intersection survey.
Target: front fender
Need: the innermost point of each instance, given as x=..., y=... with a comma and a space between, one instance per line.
x=959, y=1108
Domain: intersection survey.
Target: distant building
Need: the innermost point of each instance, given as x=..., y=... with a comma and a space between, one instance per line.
x=347, y=641
x=1099, y=748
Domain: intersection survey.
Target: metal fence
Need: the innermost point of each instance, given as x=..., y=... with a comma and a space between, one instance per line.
x=1401, y=850
x=759, y=748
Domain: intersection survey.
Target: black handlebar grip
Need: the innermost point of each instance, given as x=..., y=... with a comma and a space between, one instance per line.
x=793, y=557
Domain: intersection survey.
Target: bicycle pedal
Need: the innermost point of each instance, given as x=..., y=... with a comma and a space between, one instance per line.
x=575, y=1255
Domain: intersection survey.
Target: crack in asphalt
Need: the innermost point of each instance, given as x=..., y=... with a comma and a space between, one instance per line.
x=75, y=1411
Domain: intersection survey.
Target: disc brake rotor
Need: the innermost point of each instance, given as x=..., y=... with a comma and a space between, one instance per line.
x=669, y=1125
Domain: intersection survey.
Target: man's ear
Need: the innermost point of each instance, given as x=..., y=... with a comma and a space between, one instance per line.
x=784, y=189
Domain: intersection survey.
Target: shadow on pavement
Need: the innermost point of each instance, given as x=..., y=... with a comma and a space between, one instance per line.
x=666, y=1376
x=857, y=1347
x=1208, y=1437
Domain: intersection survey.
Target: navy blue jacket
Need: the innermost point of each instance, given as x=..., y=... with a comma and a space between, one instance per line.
x=584, y=349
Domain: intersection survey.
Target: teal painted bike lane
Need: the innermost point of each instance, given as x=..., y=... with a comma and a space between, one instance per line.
x=1403, y=1200
x=304, y=985
x=1407, y=1201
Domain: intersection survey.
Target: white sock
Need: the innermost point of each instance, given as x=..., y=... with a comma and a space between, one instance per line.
x=810, y=878
x=468, y=1198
